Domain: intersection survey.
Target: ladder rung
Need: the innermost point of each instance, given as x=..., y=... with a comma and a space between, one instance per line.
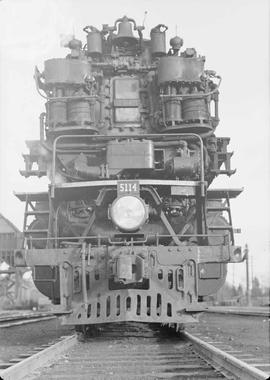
x=220, y=228
x=29, y=156
x=225, y=154
x=41, y=212
x=229, y=172
x=28, y=173
x=36, y=231
x=218, y=208
x=229, y=228
x=237, y=230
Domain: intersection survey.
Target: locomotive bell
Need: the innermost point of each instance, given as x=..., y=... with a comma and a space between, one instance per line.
x=125, y=33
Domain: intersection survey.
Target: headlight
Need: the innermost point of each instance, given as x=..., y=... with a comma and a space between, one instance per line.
x=128, y=213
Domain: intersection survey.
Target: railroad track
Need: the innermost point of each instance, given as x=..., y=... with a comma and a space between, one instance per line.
x=244, y=311
x=130, y=351
x=21, y=319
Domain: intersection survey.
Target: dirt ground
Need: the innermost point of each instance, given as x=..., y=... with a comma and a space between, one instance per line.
x=248, y=334
x=21, y=339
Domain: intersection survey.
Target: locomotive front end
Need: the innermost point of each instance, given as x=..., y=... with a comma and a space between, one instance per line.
x=128, y=229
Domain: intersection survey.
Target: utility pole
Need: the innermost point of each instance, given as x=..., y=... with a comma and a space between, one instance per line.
x=247, y=274
x=251, y=269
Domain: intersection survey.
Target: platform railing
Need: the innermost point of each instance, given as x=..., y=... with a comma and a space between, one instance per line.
x=77, y=240
x=171, y=137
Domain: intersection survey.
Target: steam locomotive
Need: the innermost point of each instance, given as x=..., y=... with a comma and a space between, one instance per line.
x=128, y=229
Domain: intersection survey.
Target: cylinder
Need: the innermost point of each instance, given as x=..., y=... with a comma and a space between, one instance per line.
x=78, y=112
x=94, y=43
x=158, y=41
x=183, y=166
x=57, y=112
x=173, y=112
x=172, y=107
x=195, y=110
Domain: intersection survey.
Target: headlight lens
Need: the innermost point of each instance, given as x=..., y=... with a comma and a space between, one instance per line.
x=128, y=213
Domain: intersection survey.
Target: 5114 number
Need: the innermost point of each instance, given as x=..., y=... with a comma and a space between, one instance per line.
x=128, y=187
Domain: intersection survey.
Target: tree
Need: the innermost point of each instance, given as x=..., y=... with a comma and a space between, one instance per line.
x=256, y=290
x=240, y=291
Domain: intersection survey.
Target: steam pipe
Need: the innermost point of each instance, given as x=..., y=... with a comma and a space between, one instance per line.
x=84, y=289
x=197, y=95
x=41, y=126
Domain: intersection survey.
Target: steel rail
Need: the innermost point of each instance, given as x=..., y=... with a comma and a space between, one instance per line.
x=233, y=310
x=11, y=315
x=223, y=360
x=224, y=363
x=24, y=321
x=23, y=369
x=9, y=320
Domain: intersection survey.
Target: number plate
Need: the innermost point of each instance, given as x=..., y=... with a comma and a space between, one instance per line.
x=128, y=187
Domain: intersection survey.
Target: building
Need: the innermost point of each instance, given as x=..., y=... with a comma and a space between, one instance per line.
x=10, y=238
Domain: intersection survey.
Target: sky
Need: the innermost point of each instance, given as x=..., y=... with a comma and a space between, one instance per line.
x=234, y=37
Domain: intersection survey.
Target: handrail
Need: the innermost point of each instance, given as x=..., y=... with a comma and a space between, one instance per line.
x=71, y=97
x=108, y=237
